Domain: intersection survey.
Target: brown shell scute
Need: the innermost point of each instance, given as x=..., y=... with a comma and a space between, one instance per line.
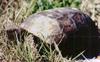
x=50, y=23
x=42, y=27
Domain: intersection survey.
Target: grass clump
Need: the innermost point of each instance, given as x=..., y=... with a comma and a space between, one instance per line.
x=25, y=50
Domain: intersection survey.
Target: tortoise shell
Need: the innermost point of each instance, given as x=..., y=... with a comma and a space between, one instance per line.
x=51, y=25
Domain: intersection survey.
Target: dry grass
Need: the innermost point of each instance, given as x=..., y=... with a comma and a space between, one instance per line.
x=17, y=50
x=92, y=8
x=16, y=11
x=20, y=52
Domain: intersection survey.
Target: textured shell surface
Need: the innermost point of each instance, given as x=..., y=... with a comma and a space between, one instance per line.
x=50, y=23
x=41, y=26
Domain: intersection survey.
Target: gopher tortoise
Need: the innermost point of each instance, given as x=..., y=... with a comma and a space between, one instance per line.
x=73, y=30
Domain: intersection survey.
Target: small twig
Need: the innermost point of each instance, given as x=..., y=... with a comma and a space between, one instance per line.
x=61, y=39
x=78, y=55
x=85, y=58
x=16, y=37
x=57, y=49
x=41, y=47
x=18, y=13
